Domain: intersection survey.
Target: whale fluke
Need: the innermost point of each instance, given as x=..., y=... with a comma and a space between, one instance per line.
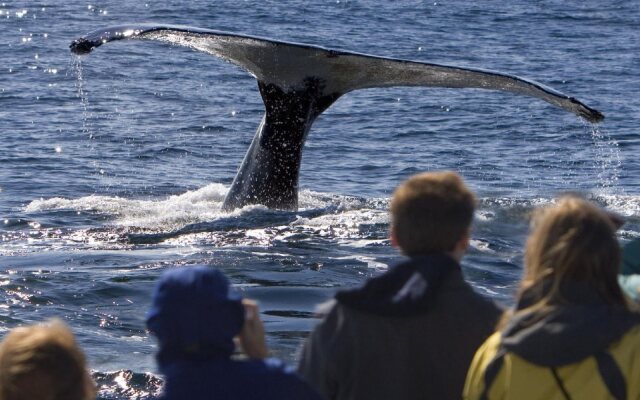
x=298, y=82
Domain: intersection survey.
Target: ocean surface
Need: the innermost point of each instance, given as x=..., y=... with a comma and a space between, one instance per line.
x=114, y=165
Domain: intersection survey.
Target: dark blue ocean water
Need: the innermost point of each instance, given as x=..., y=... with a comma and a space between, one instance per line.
x=104, y=158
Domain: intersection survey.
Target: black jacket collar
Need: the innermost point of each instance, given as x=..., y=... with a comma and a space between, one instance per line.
x=408, y=289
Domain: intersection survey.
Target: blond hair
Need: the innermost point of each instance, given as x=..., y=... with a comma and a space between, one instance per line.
x=431, y=212
x=572, y=241
x=43, y=362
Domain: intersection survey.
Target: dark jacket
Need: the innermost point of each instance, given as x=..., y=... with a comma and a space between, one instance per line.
x=408, y=334
x=195, y=316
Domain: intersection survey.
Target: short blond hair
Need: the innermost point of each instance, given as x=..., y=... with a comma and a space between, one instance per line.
x=431, y=212
x=43, y=362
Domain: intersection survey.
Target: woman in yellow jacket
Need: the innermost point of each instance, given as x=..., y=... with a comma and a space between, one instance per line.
x=572, y=333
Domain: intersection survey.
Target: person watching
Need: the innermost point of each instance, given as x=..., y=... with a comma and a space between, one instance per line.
x=195, y=316
x=411, y=332
x=43, y=362
x=572, y=333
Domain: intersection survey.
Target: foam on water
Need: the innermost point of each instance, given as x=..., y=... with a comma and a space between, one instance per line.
x=195, y=218
x=127, y=384
x=171, y=213
x=625, y=204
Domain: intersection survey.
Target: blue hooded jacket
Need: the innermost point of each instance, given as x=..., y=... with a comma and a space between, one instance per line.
x=195, y=316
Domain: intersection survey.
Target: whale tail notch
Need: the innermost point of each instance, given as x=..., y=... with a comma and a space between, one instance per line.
x=298, y=82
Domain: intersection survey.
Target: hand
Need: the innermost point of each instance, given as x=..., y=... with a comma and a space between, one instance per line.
x=251, y=335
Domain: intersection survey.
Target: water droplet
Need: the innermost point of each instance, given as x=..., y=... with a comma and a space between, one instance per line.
x=89, y=7
x=58, y=149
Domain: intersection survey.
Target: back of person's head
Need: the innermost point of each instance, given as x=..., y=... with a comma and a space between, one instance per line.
x=431, y=212
x=572, y=241
x=194, y=315
x=43, y=362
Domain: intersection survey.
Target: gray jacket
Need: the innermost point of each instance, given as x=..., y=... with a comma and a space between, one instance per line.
x=419, y=347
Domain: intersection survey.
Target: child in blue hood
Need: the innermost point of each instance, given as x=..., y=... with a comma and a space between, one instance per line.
x=195, y=317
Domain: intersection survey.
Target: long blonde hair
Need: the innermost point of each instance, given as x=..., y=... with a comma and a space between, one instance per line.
x=571, y=241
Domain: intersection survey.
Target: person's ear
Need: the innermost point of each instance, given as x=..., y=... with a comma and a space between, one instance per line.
x=464, y=242
x=461, y=245
x=393, y=238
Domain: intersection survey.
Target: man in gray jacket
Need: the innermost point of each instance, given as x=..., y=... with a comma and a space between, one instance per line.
x=411, y=332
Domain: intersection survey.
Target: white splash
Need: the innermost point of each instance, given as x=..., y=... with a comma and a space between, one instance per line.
x=626, y=205
x=607, y=158
x=170, y=213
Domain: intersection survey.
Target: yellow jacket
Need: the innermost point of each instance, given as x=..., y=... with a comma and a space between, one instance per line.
x=518, y=379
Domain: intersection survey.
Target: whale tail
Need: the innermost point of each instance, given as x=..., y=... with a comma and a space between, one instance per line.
x=298, y=82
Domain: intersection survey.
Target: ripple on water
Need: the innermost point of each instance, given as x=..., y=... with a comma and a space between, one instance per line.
x=127, y=384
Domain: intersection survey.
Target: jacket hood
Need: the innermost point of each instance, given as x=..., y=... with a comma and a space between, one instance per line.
x=584, y=324
x=194, y=315
x=407, y=289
